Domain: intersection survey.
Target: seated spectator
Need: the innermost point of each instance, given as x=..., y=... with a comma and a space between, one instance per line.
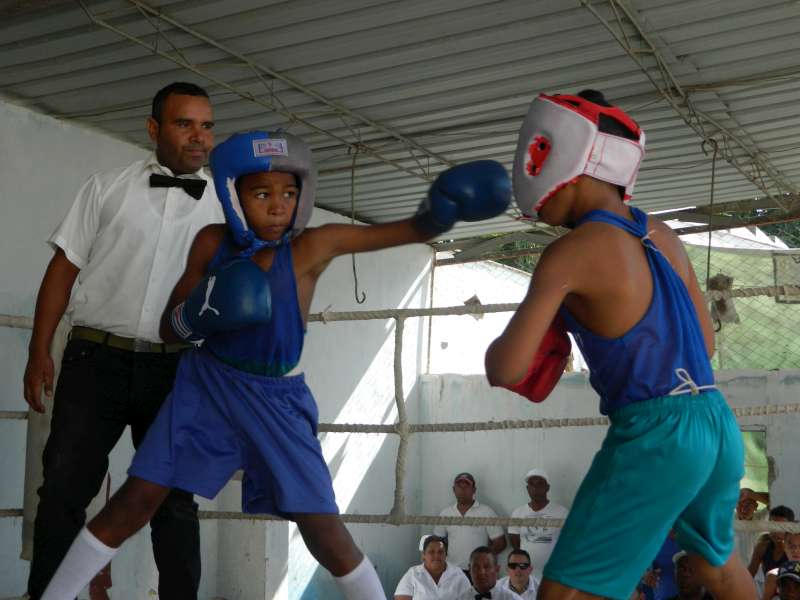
x=747, y=510
x=537, y=541
x=520, y=579
x=789, y=581
x=434, y=579
x=689, y=588
x=483, y=568
x=769, y=553
x=658, y=582
x=747, y=506
x=649, y=583
x=462, y=539
x=791, y=544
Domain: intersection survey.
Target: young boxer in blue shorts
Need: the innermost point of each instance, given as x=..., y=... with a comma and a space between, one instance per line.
x=246, y=292
x=623, y=285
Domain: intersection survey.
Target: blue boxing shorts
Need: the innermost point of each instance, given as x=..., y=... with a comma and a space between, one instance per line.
x=672, y=462
x=218, y=419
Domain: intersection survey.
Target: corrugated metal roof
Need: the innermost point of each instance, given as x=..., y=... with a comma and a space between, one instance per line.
x=416, y=84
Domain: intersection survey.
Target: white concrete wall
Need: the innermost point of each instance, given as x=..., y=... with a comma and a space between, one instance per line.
x=499, y=459
x=754, y=388
x=458, y=343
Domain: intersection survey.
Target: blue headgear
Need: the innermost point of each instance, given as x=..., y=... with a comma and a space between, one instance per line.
x=259, y=152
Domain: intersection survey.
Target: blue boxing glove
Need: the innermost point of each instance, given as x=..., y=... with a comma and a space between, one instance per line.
x=473, y=191
x=235, y=296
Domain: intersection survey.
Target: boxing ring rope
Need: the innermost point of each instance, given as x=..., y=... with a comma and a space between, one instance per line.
x=404, y=429
x=360, y=519
x=326, y=316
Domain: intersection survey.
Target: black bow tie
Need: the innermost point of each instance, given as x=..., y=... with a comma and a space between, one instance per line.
x=193, y=187
x=483, y=595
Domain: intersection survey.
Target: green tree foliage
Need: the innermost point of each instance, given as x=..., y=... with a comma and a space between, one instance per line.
x=523, y=263
x=789, y=232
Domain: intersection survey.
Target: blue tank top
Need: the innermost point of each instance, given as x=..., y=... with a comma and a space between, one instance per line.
x=768, y=562
x=272, y=349
x=664, y=352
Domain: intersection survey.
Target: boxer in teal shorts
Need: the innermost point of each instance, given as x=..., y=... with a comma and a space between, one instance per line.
x=622, y=284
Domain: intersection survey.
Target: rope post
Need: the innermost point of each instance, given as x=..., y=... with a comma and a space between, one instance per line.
x=398, y=511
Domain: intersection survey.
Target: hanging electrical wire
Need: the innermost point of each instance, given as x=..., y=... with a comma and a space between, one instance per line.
x=362, y=298
x=713, y=143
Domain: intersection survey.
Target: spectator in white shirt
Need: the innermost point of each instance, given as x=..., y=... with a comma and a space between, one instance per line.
x=463, y=539
x=791, y=544
x=125, y=241
x=483, y=570
x=434, y=579
x=520, y=579
x=538, y=541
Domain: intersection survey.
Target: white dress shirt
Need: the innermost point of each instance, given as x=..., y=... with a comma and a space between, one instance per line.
x=497, y=592
x=130, y=242
x=419, y=584
x=538, y=541
x=746, y=540
x=463, y=539
x=528, y=594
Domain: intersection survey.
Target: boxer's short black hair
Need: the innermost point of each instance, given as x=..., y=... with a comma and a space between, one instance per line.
x=608, y=124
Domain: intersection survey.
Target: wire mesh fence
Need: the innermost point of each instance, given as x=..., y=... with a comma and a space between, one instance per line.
x=754, y=332
x=761, y=331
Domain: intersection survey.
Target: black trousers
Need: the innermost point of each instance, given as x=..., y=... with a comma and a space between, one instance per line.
x=102, y=390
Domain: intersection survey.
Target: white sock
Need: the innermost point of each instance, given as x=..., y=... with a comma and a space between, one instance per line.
x=361, y=583
x=83, y=561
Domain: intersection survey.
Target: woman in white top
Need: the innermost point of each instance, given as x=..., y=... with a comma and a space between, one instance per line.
x=434, y=579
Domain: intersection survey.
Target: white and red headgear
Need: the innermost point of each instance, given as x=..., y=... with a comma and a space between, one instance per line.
x=560, y=140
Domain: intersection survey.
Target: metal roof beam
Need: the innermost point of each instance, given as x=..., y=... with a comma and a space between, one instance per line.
x=783, y=217
x=482, y=247
x=273, y=105
x=697, y=217
x=16, y=8
x=754, y=166
x=466, y=258
x=421, y=154
x=458, y=259
x=487, y=249
x=743, y=206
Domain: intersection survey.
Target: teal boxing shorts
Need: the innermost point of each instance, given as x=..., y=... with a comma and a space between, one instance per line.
x=673, y=462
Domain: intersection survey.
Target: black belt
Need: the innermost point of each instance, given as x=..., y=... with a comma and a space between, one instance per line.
x=98, y=336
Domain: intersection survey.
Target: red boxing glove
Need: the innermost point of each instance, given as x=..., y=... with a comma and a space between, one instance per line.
x=548, y=364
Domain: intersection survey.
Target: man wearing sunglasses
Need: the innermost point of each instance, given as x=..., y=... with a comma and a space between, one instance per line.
x=520, y=579
x=483, y=569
